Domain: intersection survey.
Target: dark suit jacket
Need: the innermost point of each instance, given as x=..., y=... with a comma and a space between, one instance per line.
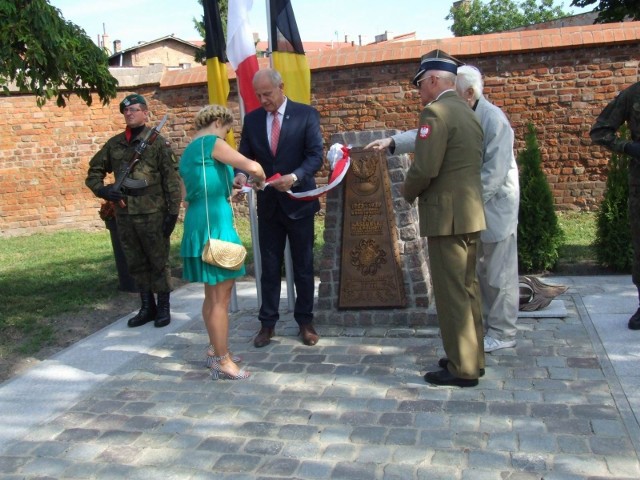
x=300, y=151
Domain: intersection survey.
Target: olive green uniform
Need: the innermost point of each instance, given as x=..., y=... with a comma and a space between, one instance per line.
x=445, y=178
x=624, y=108
x=140, y=221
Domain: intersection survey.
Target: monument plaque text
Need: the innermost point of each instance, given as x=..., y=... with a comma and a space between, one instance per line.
x=370, y=272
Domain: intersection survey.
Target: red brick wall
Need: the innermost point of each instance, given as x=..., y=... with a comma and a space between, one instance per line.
x=44, y=153
x=561, y=93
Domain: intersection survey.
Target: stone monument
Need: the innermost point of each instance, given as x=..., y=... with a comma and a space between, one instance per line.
x=374, y=271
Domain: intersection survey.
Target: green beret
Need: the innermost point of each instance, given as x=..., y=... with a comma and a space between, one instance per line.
x=131, y=100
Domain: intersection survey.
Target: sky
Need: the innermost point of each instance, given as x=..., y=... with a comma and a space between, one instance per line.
x=318, y=20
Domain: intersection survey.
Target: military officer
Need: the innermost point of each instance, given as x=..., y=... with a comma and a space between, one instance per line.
x=445, y=178
x=145, y=217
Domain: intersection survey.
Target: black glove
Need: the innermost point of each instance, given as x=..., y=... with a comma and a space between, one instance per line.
x=632, y=149
x=109, y=193
x=168, y=224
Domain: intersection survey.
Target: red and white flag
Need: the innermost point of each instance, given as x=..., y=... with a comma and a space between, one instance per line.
x=241, y=51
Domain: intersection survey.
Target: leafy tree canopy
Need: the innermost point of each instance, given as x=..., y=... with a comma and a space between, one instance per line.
x=612, y=10
x=473, y=17
x=47, y=56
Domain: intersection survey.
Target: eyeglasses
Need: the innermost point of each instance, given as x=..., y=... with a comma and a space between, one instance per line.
x=418, y=82
x=131, y=110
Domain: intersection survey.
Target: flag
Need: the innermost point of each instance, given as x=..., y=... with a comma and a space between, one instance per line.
x=242, y=51
x=217, y=78
x=287, y=52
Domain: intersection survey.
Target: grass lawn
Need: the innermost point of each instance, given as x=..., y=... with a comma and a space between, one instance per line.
x=580, y=231
x=51, y=274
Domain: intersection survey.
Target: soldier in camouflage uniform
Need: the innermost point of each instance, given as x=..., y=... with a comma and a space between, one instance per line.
x=149, y=215
x=625, y=108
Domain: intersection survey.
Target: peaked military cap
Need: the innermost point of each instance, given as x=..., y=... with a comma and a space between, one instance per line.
x=437, y=60
x=131, y=100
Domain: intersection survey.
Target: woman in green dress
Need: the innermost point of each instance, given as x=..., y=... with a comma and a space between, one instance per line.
x=209, y=158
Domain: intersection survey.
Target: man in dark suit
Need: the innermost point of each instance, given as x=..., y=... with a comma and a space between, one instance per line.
x=284, y=137
x=445, y=178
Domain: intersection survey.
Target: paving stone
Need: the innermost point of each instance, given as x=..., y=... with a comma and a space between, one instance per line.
x=573, y=444
x=353, y=407
x=354, y=471
x=368, y=435
x=401, y=436
x=398, y=472
x=281, y=467
x=339, y=451
x=263, y=447
x=237, y=463
x=315, y=470
x=297, y=432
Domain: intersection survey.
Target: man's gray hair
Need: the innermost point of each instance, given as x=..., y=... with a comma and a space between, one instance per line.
x=273, y=75
x=470, y=77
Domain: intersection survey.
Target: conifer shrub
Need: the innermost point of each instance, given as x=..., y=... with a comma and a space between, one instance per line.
x=539, y=233
x=613, y=235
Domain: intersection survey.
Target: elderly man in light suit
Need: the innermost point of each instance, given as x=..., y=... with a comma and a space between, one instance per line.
x=445, y=178
x=497, y=252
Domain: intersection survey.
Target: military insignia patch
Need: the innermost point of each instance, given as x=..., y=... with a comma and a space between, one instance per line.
x=424, y=131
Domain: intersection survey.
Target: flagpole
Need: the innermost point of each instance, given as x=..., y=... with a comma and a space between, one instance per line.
x=253, y=219
x=288, y=261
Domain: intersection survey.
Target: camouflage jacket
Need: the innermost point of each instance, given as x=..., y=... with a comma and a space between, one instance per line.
x=158, y=166
x=624, y=108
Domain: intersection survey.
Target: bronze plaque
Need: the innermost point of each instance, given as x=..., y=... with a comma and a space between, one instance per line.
x=370, y=272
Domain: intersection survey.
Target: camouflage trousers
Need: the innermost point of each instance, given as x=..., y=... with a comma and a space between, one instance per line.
x=146, y=250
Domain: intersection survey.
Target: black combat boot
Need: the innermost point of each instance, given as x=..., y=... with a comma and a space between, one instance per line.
x=164, y=311
x=634, y=321
x=147, y=311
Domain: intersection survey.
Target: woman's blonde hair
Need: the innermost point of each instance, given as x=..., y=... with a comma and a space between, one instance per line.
x=210, y=113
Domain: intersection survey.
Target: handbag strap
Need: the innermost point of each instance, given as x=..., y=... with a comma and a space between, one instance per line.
x=206, y=195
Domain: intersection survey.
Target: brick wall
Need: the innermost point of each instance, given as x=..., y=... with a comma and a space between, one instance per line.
x=559, y=79
x=560, y=93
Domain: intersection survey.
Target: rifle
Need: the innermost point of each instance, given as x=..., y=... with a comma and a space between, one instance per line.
x=122, y=176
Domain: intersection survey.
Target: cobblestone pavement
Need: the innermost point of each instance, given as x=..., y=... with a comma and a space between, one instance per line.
x=353, y=407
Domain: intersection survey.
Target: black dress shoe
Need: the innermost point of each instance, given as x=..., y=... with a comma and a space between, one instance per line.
x=309, y=335
x=634, y=321
x=263, y=338
x=443, y=377
x=443, y=362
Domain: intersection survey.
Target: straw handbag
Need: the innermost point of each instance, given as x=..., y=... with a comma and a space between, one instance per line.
x=221, y=253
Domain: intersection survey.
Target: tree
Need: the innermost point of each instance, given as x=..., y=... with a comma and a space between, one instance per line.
x=539, y=233
x=612, y=10
x=45, y=55
x=613, y=244
x=473, y=17
x=223, y=5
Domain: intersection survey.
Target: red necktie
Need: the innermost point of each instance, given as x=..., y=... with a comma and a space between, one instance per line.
x=275, y=133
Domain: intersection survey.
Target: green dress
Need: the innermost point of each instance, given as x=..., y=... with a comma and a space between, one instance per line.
x=219, y=181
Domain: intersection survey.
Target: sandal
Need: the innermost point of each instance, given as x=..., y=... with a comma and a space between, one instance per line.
x=211, y=353
x=217, y=373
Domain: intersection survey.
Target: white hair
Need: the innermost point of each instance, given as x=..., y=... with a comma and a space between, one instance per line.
x=470, y=77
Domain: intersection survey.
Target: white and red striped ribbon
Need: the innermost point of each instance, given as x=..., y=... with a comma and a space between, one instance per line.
x=339, y=161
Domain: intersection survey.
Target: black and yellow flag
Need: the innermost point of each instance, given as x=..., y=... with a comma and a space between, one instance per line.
x=215, y=46
x=287, y=52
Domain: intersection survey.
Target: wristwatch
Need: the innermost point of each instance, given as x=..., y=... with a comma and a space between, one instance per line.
x=295, y=179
